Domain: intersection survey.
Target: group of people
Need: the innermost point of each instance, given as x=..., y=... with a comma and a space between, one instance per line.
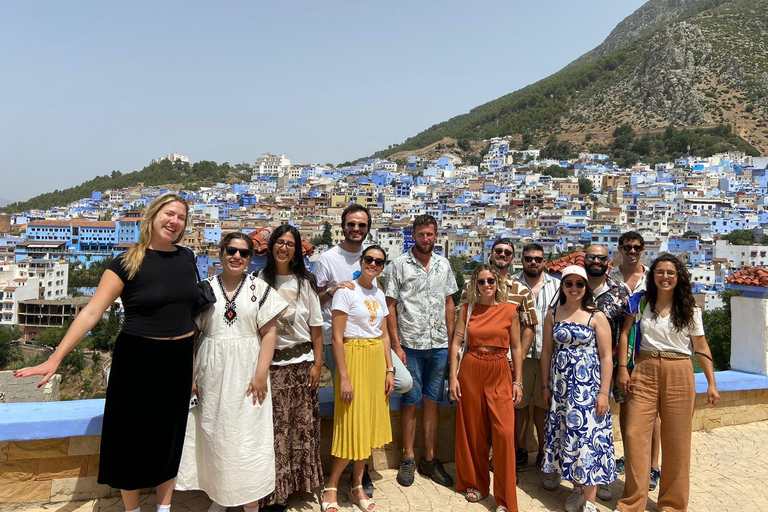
x=252, y=361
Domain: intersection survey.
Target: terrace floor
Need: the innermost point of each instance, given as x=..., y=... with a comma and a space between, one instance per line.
x=728, y=469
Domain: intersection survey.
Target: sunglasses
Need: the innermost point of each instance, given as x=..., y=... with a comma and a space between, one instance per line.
x=505, y=252
x=593, y=257
x=529, y=259
x=361, y=225
x=285, y=243
x=378, y=261
x=244, y=253
x=490, y=281
x=630, y=248
x=577, y=284
x=662, y=273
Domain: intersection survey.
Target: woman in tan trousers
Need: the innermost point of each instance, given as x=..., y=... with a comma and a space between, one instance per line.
x=662, y=382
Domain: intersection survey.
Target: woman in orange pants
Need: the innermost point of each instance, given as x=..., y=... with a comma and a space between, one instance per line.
x=485, y=390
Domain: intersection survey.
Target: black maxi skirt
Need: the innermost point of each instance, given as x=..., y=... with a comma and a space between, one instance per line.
x=145, y=416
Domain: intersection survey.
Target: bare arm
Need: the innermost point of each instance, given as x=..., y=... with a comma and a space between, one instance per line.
x=622, y=373
x=317, y=349
x=394, y=337
x=450, y=315
x=109, y=289
x=527, y=337
x=603, y=334
x=547, y=348
x=517, y=359
x=339, y=325
x=258, y=385
x=704, y=357
x=389, y=385
x=453, y=355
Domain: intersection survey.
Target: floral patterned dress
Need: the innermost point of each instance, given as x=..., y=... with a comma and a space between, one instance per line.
x=579, y=443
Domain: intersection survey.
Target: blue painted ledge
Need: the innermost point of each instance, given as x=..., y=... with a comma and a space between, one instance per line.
x=49, y=420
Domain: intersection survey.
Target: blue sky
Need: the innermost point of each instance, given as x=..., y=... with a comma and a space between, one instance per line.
x=89, y=87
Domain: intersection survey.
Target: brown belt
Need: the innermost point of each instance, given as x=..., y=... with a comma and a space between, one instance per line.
x=664, y=354
x=293, y=352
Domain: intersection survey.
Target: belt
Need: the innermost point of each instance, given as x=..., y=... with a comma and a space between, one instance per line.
x=293, y=352
x=665, y=354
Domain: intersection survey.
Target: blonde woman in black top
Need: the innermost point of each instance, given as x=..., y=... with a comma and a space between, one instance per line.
x=151, y=377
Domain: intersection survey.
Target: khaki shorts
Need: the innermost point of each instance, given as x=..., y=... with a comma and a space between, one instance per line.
x=531, y=384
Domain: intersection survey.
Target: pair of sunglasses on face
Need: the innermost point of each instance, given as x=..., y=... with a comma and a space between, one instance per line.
x=370, y=259
x=529, y=259
x=491, y=281
x=630, y=248
x=596, y=257
x=505, y=252
x=244, y=253
x=578, y=284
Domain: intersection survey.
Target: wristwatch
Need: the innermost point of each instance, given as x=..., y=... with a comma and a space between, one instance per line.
x=328, y=292
x=392, y=370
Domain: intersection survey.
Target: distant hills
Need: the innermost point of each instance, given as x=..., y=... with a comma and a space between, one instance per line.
x=687, y=63
x=4, y=201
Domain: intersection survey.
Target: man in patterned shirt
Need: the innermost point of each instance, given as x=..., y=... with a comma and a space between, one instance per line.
x=420, y=323
x=612, y=298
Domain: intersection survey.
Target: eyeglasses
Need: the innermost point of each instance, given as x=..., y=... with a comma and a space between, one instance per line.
x=593, y=257
x=505, y=252
x=360, y=225
x=244, y=253
x=490, y=281
x=378, y=261
x=286, y=243
x=630, y=248
x=662, y=273
x=577, y=284
x=529, y=259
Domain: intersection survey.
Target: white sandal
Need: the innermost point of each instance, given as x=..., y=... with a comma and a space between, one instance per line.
x=502, y=508
x=362, y=503
x=325, y=506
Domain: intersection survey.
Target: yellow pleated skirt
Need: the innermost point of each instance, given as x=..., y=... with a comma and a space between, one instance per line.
x=363, y=424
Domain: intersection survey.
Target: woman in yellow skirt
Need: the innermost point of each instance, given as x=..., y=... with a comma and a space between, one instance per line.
x=364, y=379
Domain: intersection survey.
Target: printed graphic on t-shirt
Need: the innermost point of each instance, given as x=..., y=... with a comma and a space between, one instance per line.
x=373, y=309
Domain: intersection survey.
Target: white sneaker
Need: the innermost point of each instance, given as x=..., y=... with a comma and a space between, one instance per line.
x=604, y=492
x=551, y=481
x=589, y=507
x=575, y=501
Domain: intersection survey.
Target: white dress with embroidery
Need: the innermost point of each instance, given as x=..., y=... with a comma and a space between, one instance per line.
x=229, y=447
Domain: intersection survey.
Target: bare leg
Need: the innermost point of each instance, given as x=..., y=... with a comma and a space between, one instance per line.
x=431, y=416
x=408, y=426
x=590, y=492
x=656, y=443
x=539, y=417
x=131, y=499
x=337, y=467
x=165, y=492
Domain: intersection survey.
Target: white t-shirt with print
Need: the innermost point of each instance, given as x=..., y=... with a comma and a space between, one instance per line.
x=659, y=334
x=293, y=327
x=332, y=267
x=366, y=310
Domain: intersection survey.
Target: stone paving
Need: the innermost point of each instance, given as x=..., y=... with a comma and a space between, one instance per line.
x=728, y=469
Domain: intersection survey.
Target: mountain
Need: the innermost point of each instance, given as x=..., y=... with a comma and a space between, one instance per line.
x=4, y=201
x=687, y=63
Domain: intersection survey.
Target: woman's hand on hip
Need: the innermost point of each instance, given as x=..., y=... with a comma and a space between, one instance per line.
x=713, y=396
x=346, y=394
x=454, y=388
x=314, y=376
x=389, y=385
x=258, y=388
x=601, y=404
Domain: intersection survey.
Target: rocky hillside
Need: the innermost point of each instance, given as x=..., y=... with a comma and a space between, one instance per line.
x=680, y=62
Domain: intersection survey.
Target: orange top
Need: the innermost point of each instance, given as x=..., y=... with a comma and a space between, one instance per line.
x=489, y=325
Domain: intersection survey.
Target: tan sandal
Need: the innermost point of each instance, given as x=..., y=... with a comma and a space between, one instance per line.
x=326, y=506
x=362, y=503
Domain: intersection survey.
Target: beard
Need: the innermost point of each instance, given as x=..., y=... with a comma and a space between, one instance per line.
x=533, y=272
x=596, y=271
x=424, y=250
x=499, y=265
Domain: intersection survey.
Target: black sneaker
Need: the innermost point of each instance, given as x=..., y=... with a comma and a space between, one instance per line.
x=406, y=471
x=655, y=474
x=620, y=465
x=278, y=507
x=540, y=458
x=434, y=469
x=521, y=458
x=368, y=483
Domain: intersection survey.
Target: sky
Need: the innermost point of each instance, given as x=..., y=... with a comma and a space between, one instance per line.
x=88, y=87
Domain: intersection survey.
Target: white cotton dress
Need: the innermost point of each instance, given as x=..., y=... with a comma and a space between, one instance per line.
x=229, y=446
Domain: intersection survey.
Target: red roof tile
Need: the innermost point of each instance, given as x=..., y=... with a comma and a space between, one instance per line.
x=557, y=266
x=261, y=236
x=752, y=276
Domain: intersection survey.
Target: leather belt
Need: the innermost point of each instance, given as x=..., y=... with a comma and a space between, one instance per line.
x=293, y=352
x=665, y=354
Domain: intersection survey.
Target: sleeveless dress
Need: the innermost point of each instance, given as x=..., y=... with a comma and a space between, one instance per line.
x=228, y=449
x=579, y=443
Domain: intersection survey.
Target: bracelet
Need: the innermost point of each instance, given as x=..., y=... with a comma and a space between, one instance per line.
x=544, y=387
x=518, y=384
x=702, y=354
x=328, y=293
x=391, y=370
x=605, y=394
x=621, y=366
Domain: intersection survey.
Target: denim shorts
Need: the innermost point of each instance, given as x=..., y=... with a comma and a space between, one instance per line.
x=427, y=367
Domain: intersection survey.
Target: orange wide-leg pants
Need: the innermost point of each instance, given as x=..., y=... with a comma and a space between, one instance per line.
x=485, y=407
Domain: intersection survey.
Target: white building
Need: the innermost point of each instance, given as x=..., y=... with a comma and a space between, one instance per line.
x=53, y=276
x=269, y=165
x=173, y=157
x=20, y=288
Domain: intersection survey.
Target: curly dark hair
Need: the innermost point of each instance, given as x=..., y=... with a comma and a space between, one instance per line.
x=296, y=265
x=683, y=303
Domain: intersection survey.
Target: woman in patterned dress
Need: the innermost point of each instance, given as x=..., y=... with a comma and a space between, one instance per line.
x=576, y=367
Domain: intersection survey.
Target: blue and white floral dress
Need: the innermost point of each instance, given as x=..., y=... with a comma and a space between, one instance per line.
x=579, y=443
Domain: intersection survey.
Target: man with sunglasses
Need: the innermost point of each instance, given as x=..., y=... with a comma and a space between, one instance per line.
x=544, y=288
x=335, y=269
x=612, y=298
x=420, y=323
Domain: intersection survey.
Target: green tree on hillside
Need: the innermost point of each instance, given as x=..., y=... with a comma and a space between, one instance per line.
x=585, y=186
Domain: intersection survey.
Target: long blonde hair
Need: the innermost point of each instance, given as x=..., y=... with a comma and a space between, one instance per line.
x=134, y=257
x=472, y=296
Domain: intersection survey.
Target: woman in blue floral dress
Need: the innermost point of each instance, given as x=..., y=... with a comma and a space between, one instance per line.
x=576, y=367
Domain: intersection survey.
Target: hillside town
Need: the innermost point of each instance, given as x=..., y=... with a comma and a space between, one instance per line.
x=687, y=207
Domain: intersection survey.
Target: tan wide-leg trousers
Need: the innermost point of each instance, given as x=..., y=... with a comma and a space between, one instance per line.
x=665, y=387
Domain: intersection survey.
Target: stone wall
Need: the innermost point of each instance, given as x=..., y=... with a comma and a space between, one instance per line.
x=15, y=390
x=50, y=470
